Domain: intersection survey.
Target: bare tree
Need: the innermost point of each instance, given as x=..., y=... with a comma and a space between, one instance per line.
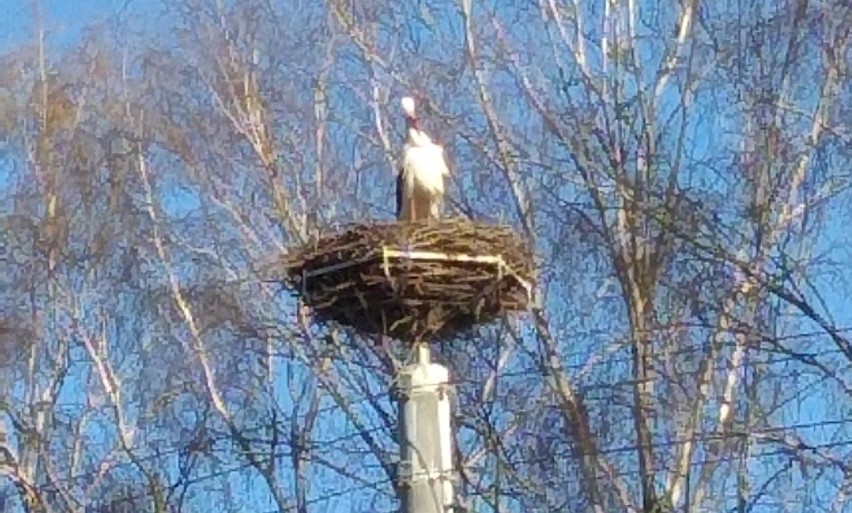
x=680, y=167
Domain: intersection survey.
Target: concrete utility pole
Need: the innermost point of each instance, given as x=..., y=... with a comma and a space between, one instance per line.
x=468, y=273
x=426, y=469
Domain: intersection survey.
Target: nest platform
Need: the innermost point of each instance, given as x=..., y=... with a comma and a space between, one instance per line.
x=414, y=281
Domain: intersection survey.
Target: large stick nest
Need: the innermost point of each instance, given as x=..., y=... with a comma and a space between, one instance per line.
x=414, y=281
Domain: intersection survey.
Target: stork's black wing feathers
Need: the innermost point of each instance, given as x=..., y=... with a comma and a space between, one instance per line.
x=400, y=186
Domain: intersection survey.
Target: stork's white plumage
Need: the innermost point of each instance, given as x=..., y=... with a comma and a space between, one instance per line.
x=420, y=182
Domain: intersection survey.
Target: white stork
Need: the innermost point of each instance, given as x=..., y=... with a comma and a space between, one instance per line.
x=420, y=182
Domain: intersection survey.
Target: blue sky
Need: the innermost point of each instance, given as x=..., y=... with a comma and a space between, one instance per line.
x=65, y=18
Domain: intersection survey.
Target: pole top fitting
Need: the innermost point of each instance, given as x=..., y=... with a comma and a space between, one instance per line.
x=424, y=355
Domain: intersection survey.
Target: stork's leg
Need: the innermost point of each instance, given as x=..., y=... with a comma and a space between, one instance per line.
x=412, y=208
x=422, y=205
x=435, y=209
